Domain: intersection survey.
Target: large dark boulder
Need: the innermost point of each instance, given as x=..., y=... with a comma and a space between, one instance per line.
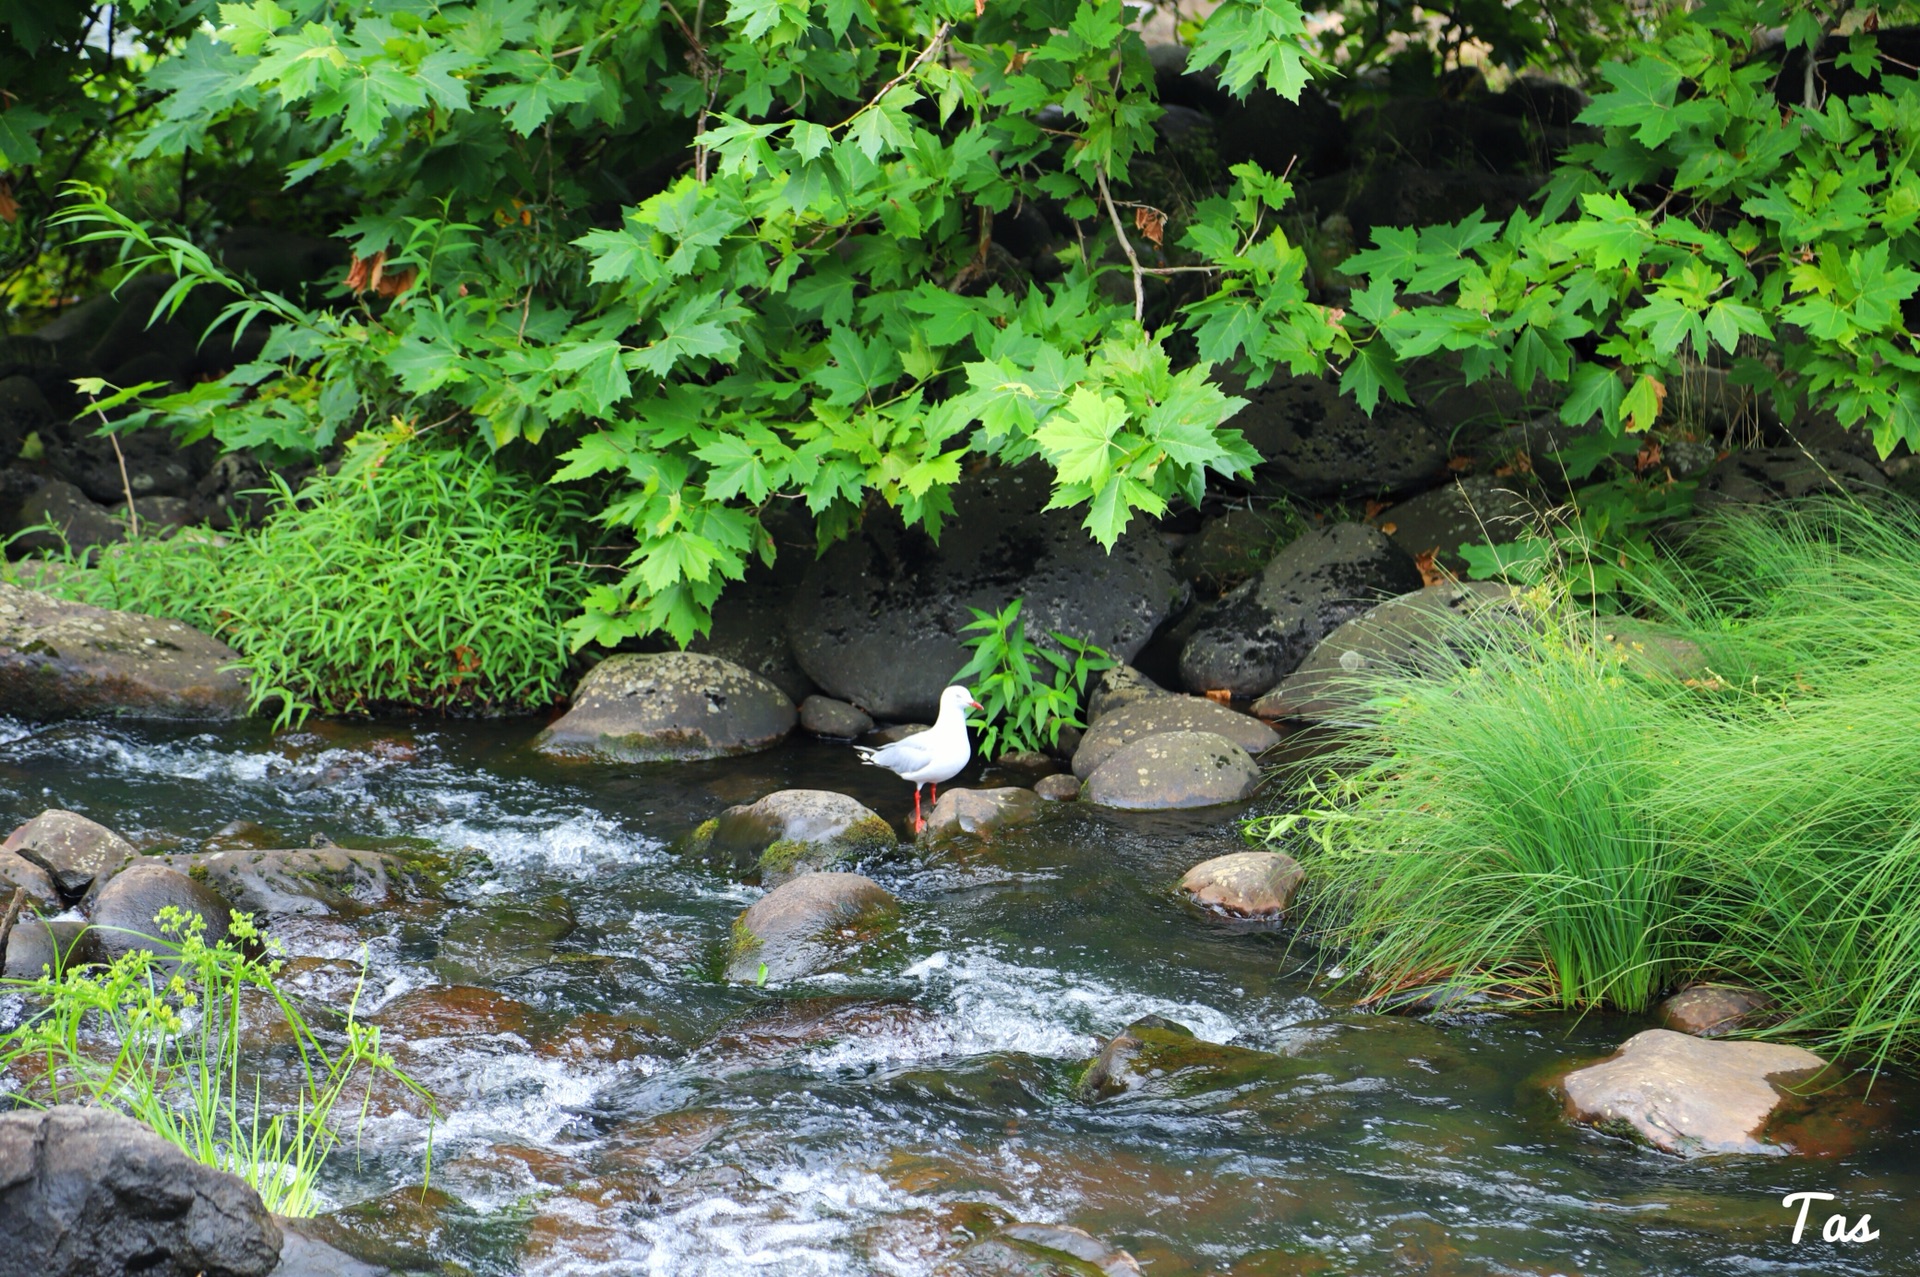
x=1316, y=442
x=1419, y=633
x=1255, y=636
x=125, y=915
x=1763, y=475
x=645, y=707
x=88, y=1193
x=69, y=660
x=78, y=523
x=298, y=881
x=1470, y=512
x=23, y=410
x=878, y=618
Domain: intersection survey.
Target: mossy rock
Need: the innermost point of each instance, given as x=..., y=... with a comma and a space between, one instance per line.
x=1157, y=1056
x=809, y=924
x=669, y=706
x=790, y=833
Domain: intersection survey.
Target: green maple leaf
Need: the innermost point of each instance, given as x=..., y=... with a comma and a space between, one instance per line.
x=1641, y=99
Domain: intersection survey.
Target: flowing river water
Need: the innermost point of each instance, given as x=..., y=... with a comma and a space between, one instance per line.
x=610, y=1106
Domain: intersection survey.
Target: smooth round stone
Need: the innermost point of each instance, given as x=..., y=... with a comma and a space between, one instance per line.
x=980, y=813
x=793, y=832
x=1153, y=715
x=125, y=912
x=1063, y=788
x=1173, y=770
x=807, y=925
x=74, y=851
x=1709, y=1010
x=1244, y=884
x=655, y=706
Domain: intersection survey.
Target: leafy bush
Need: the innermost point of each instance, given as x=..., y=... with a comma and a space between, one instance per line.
x=1549, y=822
x=410, y=577
x=160, y=1036
x=1029, y=692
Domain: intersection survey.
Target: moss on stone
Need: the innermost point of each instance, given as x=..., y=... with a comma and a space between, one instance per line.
x=869, y=833
x=700, y=841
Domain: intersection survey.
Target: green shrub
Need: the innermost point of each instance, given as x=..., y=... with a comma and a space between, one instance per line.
x=415, y=576
x=1028, y=692
x=159, y=1036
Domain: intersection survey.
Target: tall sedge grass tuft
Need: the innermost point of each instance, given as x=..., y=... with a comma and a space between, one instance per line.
x=1538, y=818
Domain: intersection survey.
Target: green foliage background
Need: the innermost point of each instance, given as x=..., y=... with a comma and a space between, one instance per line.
x=699, y=260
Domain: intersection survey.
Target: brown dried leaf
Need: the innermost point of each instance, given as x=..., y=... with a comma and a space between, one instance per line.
x=1151, y=222
x=1220, y=695
x=1431, y=573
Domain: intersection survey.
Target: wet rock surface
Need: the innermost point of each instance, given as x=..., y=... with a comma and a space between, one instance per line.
x=1434, y=525
x=1244, y=884
x=67, y=660
x=73, y=851
x=876, y=619
x=1257, y=635
x=1317, y=443
x=1687, y=1095
x=305, y=881
x=1116, y=689
x=88, y=1193
x=1158, y=1056
x=793, y=832
x=980, y=813
x=1711, y=1010
x=1061, y=788
x=125, y=912
x=1418, y=632
x=37, y=945
x=807, y=925
x=17, y=871
x=1153, y=716
x=665, y=706
x=1044, y=1250
x=1760, y=476
x=1172, y=770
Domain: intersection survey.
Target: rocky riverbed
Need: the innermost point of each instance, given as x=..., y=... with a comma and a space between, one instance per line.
x=1049, y=1052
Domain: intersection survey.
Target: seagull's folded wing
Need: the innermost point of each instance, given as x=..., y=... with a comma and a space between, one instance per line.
x=904, y=756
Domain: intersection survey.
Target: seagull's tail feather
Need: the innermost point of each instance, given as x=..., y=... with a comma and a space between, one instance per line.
x=867, y=752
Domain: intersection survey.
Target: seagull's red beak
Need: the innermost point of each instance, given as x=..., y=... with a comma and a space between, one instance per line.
x=977, y=705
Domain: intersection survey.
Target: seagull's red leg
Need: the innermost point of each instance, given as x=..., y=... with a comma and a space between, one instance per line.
x=918, y=824
x=936, y=793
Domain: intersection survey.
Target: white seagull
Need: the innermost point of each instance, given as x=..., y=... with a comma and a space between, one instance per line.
x=931, y=756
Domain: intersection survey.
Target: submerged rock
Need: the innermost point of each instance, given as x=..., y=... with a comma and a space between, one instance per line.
x=69, y=660
x=1244, y=884
x=1155, y=1054
x=1155, y=715
x=793, y=832
x=808, y=925
x=1419, y=632
x=307, y=881
x=1045, y=1250
x=836, y=720
x=877, y=619
x=125, y=912
x=1255, y=636
x=1173, y=769
x=1687, y=1095
x=648, y=707
x=980, y=813
x=495, y=937
x=85, y=1192
x=1709, y=1010
x=75, y=852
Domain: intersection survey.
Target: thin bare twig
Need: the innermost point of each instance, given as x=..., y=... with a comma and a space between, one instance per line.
x=925, y=55
x=1126, y=246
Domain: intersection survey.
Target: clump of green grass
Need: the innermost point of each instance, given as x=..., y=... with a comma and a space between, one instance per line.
x=1540, y=819
x=415, y=577
x=159, y=1036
